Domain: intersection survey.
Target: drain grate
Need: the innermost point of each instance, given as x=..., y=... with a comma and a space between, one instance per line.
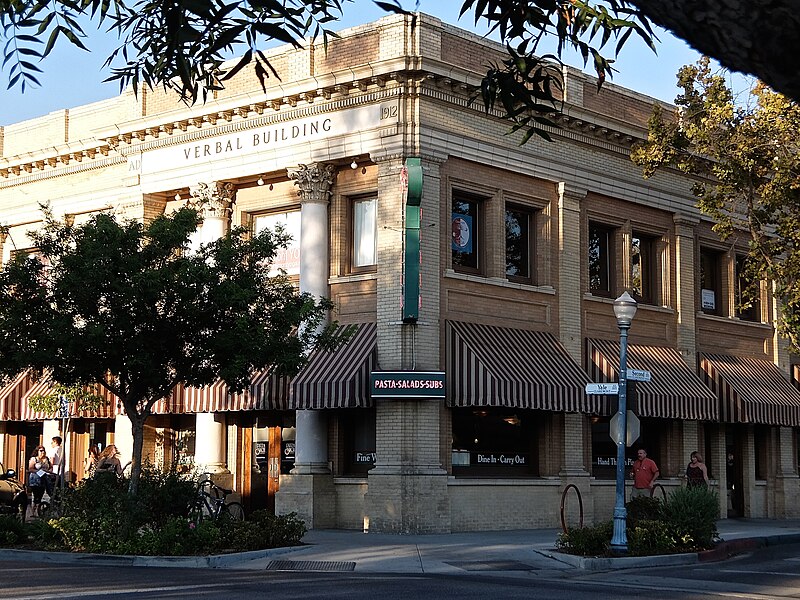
x=310, y=565
x=492, y=565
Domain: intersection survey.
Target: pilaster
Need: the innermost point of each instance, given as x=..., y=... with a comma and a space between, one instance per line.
x=408, y=485
x=787, y=482
x=685, y=292
x=570, y=259
x=210, y=443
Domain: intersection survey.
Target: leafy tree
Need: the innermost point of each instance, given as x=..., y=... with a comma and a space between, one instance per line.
x=181, y=45
x=125, y=306
x=745, y=156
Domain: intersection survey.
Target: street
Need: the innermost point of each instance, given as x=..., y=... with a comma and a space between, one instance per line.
x=773, y=572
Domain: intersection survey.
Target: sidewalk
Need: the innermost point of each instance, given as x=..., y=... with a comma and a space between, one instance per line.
x=456, y=553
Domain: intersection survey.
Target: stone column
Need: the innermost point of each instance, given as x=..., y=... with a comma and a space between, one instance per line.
x=210, y=446
x=309, y=490
x=123, y=438
x=214, y=201
x=574, y=442
x=408, y=485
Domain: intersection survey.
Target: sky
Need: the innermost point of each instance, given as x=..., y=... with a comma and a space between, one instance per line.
x=73, y=77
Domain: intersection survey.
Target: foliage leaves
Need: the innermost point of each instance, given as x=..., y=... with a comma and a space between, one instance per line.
x=744, y=156
x=127, y=307
x=183, y=44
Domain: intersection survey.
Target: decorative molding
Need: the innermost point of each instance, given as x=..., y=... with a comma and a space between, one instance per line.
x=314, y=182
x=213, y=200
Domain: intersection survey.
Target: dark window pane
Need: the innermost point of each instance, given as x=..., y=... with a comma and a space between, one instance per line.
x=518, y=244
x=465, y=226
x=495, y=442
x=747, y=307
x=599, y=262
x=643, y=268
x=710, y=298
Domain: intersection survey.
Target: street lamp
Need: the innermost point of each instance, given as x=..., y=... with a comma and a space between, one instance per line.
x=624, y=310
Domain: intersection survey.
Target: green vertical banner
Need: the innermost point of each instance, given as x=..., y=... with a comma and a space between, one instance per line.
x=412, y=255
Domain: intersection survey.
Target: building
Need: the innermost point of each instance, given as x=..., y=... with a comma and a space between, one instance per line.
x=523, y=249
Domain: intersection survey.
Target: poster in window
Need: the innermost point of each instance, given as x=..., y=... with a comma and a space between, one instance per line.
x=286, y=259
x=709, y=300
x=462, y=233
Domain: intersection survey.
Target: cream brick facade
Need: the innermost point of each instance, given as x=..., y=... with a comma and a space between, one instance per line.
x=382, y=93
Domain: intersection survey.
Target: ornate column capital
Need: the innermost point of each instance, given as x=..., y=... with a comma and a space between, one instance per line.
x=213, y=199
x=314, y=182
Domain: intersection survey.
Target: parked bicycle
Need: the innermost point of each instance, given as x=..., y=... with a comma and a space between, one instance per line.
x=212, y=503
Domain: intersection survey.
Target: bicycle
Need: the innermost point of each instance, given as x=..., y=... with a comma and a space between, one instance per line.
x=212, y=503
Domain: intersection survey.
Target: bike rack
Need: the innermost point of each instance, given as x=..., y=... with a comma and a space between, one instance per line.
x=663, y=491
x=564, y=502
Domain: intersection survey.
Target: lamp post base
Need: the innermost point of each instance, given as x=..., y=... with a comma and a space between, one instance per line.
x=619, y=541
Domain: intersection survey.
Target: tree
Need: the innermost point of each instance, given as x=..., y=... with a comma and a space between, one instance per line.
x=746, y=161
x=127, y=307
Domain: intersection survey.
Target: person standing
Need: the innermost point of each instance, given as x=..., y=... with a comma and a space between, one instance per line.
x=39, y=469
x=56, y=456
x=109, y=461
x=645, y=473
x=696, y=471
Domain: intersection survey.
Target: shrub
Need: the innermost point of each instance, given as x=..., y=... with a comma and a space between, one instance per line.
x=12, y=531
x=649, y=537
x=643, y=509
x=265, y=530
x=692, y=514
x=587, y=541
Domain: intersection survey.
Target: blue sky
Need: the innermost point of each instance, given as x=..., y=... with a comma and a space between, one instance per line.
x=73, y=77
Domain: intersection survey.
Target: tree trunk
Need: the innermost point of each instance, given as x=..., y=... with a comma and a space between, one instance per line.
x=755, y=37
x=137, y=429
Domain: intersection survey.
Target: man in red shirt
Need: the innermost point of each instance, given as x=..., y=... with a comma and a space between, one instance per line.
x=645, y=472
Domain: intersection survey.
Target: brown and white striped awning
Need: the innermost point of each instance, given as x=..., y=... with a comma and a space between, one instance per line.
x=267, y=391
x=515, y=368
x=108, y=410
x=751, y=390
x=339, y=378
x=11, y=396
x=674, y=392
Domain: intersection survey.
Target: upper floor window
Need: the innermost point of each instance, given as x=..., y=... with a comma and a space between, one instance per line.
x=710, y=281
x=747, y=305
x=286, y=259
x=465, y=245
x=365, y=229
x=643, y=268
x=519, y=246
x=600, y=259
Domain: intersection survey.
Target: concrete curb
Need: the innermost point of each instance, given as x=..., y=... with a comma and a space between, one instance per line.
x=723, y=551
x=187, y=562
x=589, y=563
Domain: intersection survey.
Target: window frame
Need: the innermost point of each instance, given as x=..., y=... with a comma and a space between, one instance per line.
x=478, y=238
x=293, y=208
x=351, y=237
x=530, y=242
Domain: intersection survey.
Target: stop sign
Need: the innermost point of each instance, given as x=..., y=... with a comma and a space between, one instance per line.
x=633, y=428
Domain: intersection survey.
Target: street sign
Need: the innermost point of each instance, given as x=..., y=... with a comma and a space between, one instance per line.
x=63, y=406
x=639, y=375
x=602, y=388
x=633, y=428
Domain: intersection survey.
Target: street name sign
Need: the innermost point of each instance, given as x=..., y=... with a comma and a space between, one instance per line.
x=602, y=388
x=639, y=375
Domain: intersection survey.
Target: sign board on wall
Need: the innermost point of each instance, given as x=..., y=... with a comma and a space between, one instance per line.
x=408, y=384
x=286, y=259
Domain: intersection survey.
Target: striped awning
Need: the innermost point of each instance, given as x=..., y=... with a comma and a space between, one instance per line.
x=11, y=396
x=751, y=390
x=44, y=386
x=515, y=368
x=674, y=392
x=339, y=378
x=267, y=391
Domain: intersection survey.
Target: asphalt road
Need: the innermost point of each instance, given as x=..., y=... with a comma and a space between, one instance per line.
x=770, y=573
